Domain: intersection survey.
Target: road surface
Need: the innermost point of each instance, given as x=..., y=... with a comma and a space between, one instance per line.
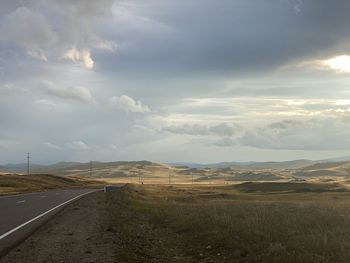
x=21, y=214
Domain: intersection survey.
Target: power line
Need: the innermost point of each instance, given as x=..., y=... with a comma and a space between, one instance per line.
x=28, y=157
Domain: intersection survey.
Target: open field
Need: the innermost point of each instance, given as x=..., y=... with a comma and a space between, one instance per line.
x=19, y=183
x=250, y=222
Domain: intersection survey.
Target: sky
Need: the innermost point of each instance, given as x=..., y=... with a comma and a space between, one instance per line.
x=174, y=81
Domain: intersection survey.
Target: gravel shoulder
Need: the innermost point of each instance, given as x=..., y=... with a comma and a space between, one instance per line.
x=101, y=227
x=75, y=234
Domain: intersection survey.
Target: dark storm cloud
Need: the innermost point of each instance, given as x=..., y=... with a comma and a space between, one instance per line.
x=226, y=36
x=9, y=6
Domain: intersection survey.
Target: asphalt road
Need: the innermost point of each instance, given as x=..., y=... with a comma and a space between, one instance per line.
x=21, y=214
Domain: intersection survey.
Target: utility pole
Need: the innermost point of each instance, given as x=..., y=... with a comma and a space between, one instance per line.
x=28, y=157
x=90, y=168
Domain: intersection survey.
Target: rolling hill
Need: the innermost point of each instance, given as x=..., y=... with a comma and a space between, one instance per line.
x=135, y=171
x=19, y=183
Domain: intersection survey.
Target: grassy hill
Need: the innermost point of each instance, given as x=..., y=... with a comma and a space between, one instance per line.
x=19, y=183
x=332, y=170
x=329, y=165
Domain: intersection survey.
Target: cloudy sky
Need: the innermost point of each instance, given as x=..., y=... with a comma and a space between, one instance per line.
x=168, y=81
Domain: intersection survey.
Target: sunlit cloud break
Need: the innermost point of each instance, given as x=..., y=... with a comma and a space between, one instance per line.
x=339, y=63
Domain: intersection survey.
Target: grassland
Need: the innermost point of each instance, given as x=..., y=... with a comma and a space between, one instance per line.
x=19, y=183
x=250, y=222
x=234, y=224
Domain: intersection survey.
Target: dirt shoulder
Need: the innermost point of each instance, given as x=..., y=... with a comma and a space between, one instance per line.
x=75, y=234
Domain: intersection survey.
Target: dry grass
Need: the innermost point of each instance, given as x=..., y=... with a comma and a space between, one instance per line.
x=222, y=224
x=19, y=183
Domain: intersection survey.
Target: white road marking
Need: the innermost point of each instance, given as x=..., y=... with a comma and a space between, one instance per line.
x=41, y=215
x=43, y=196
x=20, y=202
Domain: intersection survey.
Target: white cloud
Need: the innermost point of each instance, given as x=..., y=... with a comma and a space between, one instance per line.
x=8, y=144
x=106, y=45
x=37, y=54
x=113, y=146
x=33, y=29
x=328, y=130
x=225, y=142
x=52, y=146
x=321, y=133
x=6, y=89
x=188, y=129
x=82, y=55
x=80, y=94
x=77, y=145
x=221, y=130
x=297, y=5
x=29, y=30
x=81, y=29
x=128, y=104
x=339, y=63
x=342, y=102
x=46, y=105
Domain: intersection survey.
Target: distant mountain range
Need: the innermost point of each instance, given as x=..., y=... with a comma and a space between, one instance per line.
x=19, y=167
x=294, y=164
